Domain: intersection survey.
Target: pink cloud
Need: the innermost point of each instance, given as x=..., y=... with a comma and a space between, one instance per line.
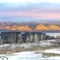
x=32, y=13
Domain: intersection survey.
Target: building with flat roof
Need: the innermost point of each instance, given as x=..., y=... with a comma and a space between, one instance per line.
x=11, y=36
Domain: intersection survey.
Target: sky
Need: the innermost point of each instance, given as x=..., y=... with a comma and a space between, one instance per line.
x=24, y=10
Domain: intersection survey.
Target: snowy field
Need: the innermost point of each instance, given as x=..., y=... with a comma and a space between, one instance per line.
x=30, y=55
x=56, y=51
x=13, y=48
x=33, y=55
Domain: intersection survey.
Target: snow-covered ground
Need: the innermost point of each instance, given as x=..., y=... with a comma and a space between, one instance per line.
x=32, y=55
x=27, y=45
x=56, y=51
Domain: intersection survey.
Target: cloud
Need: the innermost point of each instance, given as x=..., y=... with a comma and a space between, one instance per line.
x=30, y=8
x=29, y=1
x=33, y=14
x=19, y=5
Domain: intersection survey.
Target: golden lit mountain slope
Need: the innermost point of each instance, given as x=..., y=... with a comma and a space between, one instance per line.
x=38, y=27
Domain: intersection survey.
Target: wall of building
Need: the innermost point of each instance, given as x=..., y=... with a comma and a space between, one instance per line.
x=21, y=37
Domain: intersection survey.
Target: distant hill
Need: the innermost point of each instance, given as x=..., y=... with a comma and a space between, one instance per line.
x=31, y=26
